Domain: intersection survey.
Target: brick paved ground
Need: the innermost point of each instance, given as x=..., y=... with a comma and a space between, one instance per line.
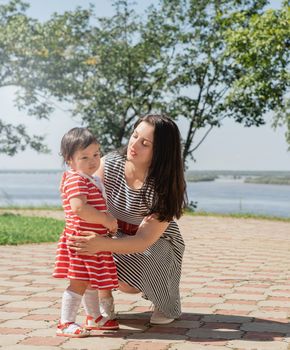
x=235, y=294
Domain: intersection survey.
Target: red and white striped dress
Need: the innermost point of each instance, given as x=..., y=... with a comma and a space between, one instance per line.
x=99, y=269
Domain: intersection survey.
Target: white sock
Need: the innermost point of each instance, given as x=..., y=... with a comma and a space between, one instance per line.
x=107, y=308
x=90, y=303
x=70, y=304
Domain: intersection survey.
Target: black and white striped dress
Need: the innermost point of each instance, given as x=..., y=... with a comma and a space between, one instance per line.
x=156, y=271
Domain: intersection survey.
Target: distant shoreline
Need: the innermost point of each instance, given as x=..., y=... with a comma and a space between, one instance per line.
x=262, y=180
x=270, y=177
x=255, y=177
x=188, y=172
x=57, y=213
x=31, y=171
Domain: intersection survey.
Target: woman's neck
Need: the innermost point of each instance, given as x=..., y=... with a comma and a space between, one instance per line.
x=135, y=175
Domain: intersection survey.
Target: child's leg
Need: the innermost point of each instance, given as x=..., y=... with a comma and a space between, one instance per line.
x=95, y=320
x=107, y=303
x=71, y=300
x=90, y=302
x=105, y=293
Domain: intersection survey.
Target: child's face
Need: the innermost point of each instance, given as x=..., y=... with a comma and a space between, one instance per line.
x=86, y=160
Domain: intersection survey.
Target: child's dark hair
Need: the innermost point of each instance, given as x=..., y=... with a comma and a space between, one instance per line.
x=75, y=139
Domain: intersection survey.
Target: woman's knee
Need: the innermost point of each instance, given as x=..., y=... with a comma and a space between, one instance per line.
x=126, y=288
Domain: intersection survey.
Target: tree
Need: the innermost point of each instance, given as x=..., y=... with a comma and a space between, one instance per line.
x=34, y=58
x=208, y=82
x=15, y=33
x=185, y=57
x=261, y=51
x=123, y=75
x=180, y=59
x=110, y=70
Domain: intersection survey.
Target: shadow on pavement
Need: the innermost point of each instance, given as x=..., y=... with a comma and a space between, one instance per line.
x=201, y=328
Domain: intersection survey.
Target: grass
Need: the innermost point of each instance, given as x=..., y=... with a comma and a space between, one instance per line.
x=16, y=229
x=25, y=207
x=239, y=216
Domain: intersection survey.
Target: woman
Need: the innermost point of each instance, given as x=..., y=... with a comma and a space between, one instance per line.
x=145, y=189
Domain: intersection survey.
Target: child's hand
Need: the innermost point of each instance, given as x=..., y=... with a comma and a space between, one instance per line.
x=111, y=223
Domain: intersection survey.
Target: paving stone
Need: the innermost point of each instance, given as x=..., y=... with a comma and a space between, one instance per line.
x=11, y=315
x=31, y=347
x=214, y=334
x=145, y=345
x=95, y=342
x=24, y=324
x=32, y=289
x=206, y=300
x=10, y=339
x=266, y=327
x=31, y=305
x=234, y=290
x=278, y=315
x=193, y=346
x=157, y=336
x=43, y=341
x=44, y=332
x=242, y=307
x=12, y=284
x=237, y=296
x=257, y=345
x=21, y=331
x=46, y=311
x=274, y=303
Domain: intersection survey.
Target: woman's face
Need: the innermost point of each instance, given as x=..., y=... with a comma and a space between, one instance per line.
x=140, y=146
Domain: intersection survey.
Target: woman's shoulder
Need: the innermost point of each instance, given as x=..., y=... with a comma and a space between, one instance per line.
x=113, y=166
x=114, y=159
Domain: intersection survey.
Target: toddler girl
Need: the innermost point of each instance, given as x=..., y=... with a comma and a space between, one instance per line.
x=84, y=204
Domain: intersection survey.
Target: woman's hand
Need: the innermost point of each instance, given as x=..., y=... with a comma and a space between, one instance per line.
x=148, y=233
x=87, y=244
x=111, y=223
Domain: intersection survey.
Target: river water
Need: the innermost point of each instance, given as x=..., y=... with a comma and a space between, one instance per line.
x=224, y=195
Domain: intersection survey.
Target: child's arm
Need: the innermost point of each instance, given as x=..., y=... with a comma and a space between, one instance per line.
x=88, y=213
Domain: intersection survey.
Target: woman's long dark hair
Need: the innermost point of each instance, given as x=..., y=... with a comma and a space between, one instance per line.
x=166, y=172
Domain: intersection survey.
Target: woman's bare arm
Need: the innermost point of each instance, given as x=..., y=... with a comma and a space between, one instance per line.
x=148, y=233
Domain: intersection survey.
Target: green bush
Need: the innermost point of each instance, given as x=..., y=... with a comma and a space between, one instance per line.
x=271, y=180
x=16, y=229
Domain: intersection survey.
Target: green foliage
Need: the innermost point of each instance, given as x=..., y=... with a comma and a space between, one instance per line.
x=281, y=180
x=123, y=75
x=16, y=40
x=202, y=60
x=207, y=82
x=200, y=178
x=260, y=51
x=16, y=229
x=15, y=138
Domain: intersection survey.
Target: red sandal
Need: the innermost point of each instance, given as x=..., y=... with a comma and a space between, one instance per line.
x=71, y=330
x=101, y=323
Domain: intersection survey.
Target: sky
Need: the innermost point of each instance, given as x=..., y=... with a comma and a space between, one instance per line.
x=231, y=147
